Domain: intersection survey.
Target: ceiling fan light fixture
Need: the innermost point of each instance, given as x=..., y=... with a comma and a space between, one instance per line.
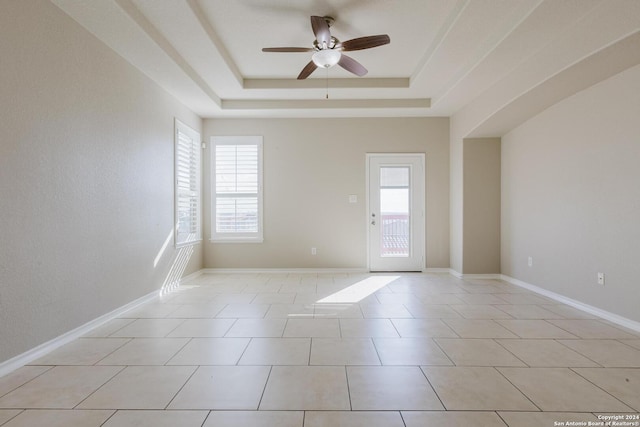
x=326, y=58
x=328, y=49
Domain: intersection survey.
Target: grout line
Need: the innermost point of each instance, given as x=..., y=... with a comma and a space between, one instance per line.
x=373, y=342
x=168, y=333
x=510, y=352
x=596, y=385
x=395, y=329
x=264, y=389
x=243, y=351
x=49, y=367
x=402, y=417
x=182, y=387
x=516, y=387
x=206, y=418
x=443, y=350
x=348, y=388
x=109, y=417
x=424, y=374
x=229, y=328
x=131, y=320
x=501, y=419
x=102, y=385
x=577, y=352
x=573, y=336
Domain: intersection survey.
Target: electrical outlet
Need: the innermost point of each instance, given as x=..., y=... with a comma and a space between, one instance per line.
x=600, y=278
x=313, y=251
x=530, y=262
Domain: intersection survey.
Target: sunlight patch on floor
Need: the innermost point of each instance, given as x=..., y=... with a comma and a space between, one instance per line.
x=358, y=291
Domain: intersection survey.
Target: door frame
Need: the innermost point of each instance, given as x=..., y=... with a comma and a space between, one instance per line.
x=422, y=158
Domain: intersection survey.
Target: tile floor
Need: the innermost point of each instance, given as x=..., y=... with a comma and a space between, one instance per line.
x=293, y=350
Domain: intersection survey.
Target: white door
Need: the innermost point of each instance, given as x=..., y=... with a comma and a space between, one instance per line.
x=396, y=212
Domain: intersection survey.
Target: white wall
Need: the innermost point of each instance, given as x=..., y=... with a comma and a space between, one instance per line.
x=86, y=178
x=311, y=166
x=571, y=196
x=456, y=196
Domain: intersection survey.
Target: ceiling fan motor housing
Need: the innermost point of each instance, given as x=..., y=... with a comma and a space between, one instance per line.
x=333, y=43
x=329, y=20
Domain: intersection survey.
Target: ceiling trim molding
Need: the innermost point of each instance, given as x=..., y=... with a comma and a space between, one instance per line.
x=152, y=32
x=215, y=39
x=345, y=83
x=439, y=39
x=484, y=52
x=267, y=104
x=588, y=71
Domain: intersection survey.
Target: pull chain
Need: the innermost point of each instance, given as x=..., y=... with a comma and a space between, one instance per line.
x=327, y=97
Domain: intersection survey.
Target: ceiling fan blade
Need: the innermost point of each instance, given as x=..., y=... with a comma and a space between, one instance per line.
x=365, y=42
x=321, y=30
x=352, y=66
x=287, y=49
x=307, y=70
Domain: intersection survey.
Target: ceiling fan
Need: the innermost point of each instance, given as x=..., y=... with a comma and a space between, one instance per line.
x=328, y=49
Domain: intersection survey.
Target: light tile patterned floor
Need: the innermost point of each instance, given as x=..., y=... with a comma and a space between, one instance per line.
x=294, y=350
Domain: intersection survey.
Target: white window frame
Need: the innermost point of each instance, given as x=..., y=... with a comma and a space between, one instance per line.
x=254, y=237
x=196, y=150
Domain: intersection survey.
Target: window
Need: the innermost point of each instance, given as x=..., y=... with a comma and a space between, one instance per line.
x=187, y=181
x=237, y=189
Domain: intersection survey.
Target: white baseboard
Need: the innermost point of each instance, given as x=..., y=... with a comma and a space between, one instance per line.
x=612, y=317
x=190, y=277
x=482, y=276
x=305, y=270
x=37, y=352
x=474, y=276
x=286, y=270
x=47, y=347
x=436, y=270
x=455, y=273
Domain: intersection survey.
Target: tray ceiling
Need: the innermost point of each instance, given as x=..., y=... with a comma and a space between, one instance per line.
x=444, y=55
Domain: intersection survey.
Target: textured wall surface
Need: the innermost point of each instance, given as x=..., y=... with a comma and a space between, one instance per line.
x=571, y=196
x=311, y=166
x=481, y=253
x=86, y=178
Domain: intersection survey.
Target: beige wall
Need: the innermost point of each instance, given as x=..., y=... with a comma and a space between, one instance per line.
x=86, y=178
x=481, y=223
x=311, y=166
x=474, y=202
x=571, y=196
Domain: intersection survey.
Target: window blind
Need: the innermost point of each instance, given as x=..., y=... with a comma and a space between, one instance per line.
x=187, y=170
x=237, y=187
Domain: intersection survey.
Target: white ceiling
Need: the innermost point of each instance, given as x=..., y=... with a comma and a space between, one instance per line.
x=475, y=57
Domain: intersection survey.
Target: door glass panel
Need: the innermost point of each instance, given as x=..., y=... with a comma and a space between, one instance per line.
x=394, y=177
x=394, y=212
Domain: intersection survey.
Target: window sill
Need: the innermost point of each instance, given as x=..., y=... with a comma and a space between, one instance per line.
x=191, y=243
x=237, y=240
